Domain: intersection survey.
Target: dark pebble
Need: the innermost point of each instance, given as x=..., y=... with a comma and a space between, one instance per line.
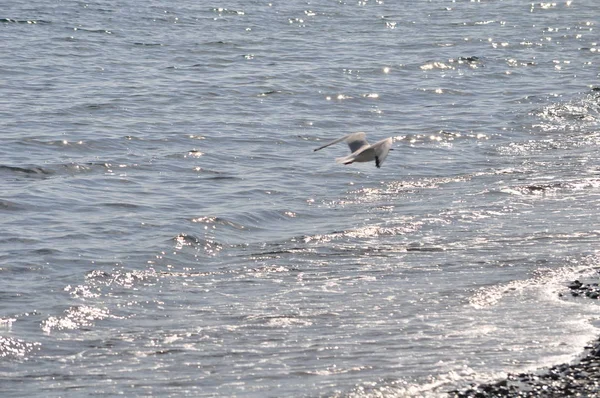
x=575, y=285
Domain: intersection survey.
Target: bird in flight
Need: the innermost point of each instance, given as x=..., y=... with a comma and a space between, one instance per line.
x=361, y=150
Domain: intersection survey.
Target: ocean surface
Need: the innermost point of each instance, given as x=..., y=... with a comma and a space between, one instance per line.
x=167, y=229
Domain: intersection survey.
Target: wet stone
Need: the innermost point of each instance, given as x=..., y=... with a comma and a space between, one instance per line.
x=578, y=288
x=575, y=285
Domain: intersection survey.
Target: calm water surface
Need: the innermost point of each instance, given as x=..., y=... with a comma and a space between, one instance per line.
x=168, y=231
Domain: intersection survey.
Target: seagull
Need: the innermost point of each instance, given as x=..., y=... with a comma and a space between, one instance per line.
x=361, y=150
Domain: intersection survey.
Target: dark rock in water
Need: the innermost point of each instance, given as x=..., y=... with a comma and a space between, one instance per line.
x=590, y=290
x=469, y=59
x=575, y=285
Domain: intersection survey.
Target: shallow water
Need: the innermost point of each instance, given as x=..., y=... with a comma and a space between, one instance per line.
x=167, y=229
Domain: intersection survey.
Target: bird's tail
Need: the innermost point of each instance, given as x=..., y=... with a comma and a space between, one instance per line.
x=345, y=160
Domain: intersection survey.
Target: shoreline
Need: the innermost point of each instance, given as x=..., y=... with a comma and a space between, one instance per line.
x=579, y=378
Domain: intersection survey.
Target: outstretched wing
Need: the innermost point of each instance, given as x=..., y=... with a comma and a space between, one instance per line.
x=355, y=142
x=381, y=149
x=332, y=142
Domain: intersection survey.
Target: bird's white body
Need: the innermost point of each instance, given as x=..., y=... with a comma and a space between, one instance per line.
x=361, y=150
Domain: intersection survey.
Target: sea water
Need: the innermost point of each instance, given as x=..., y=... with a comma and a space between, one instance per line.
x=167, y=229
